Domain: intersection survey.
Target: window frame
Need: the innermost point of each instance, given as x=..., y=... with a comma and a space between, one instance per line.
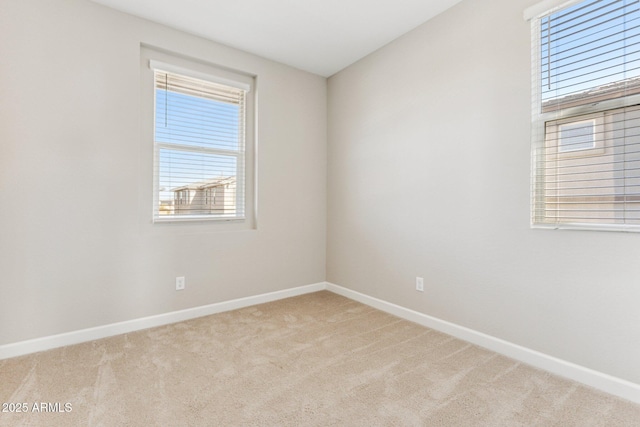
x=541, y=117
x=203, y=70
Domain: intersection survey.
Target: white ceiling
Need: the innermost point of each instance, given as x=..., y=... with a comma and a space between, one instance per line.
x=320, y=36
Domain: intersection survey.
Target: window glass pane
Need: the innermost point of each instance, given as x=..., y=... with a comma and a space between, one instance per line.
x=185, y=176
x=201, y=122
x=587, y=159
x=199, y=137
x=590, y=49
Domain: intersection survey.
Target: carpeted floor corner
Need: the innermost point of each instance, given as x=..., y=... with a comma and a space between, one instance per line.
x=314, y=360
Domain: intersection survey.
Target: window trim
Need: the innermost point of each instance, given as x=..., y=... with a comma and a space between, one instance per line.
x=198, y=68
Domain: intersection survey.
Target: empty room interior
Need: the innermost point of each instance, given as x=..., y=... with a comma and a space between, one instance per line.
x=320, y=213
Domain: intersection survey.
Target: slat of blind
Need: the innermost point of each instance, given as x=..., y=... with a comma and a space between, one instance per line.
x=187, y=72
x=586, y=23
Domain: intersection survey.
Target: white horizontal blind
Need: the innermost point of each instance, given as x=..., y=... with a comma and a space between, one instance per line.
x=586, y=147
x=199, y=148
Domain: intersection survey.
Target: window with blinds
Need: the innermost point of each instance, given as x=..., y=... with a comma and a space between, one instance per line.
x=586, y=116
x=199, y=142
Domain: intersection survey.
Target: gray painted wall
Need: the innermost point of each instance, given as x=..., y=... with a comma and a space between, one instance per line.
x=428, y=175
x=77, y=247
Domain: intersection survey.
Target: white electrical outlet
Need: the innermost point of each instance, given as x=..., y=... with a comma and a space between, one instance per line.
x=419, y=284
x=180, y=283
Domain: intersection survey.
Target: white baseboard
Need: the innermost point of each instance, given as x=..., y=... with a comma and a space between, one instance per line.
x=84, y=335
x=607, y=383
x=604, y=382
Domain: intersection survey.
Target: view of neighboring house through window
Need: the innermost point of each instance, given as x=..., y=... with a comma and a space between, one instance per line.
x=586, y=116
x=199, y=139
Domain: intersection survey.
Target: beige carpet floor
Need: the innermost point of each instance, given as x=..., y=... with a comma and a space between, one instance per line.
x=314, y=360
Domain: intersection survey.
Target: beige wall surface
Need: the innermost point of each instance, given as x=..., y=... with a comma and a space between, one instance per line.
x=428, y=175
x=77, y=247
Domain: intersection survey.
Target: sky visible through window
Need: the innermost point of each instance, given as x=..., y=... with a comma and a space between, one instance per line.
x=589, y=45
x=194, y=124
